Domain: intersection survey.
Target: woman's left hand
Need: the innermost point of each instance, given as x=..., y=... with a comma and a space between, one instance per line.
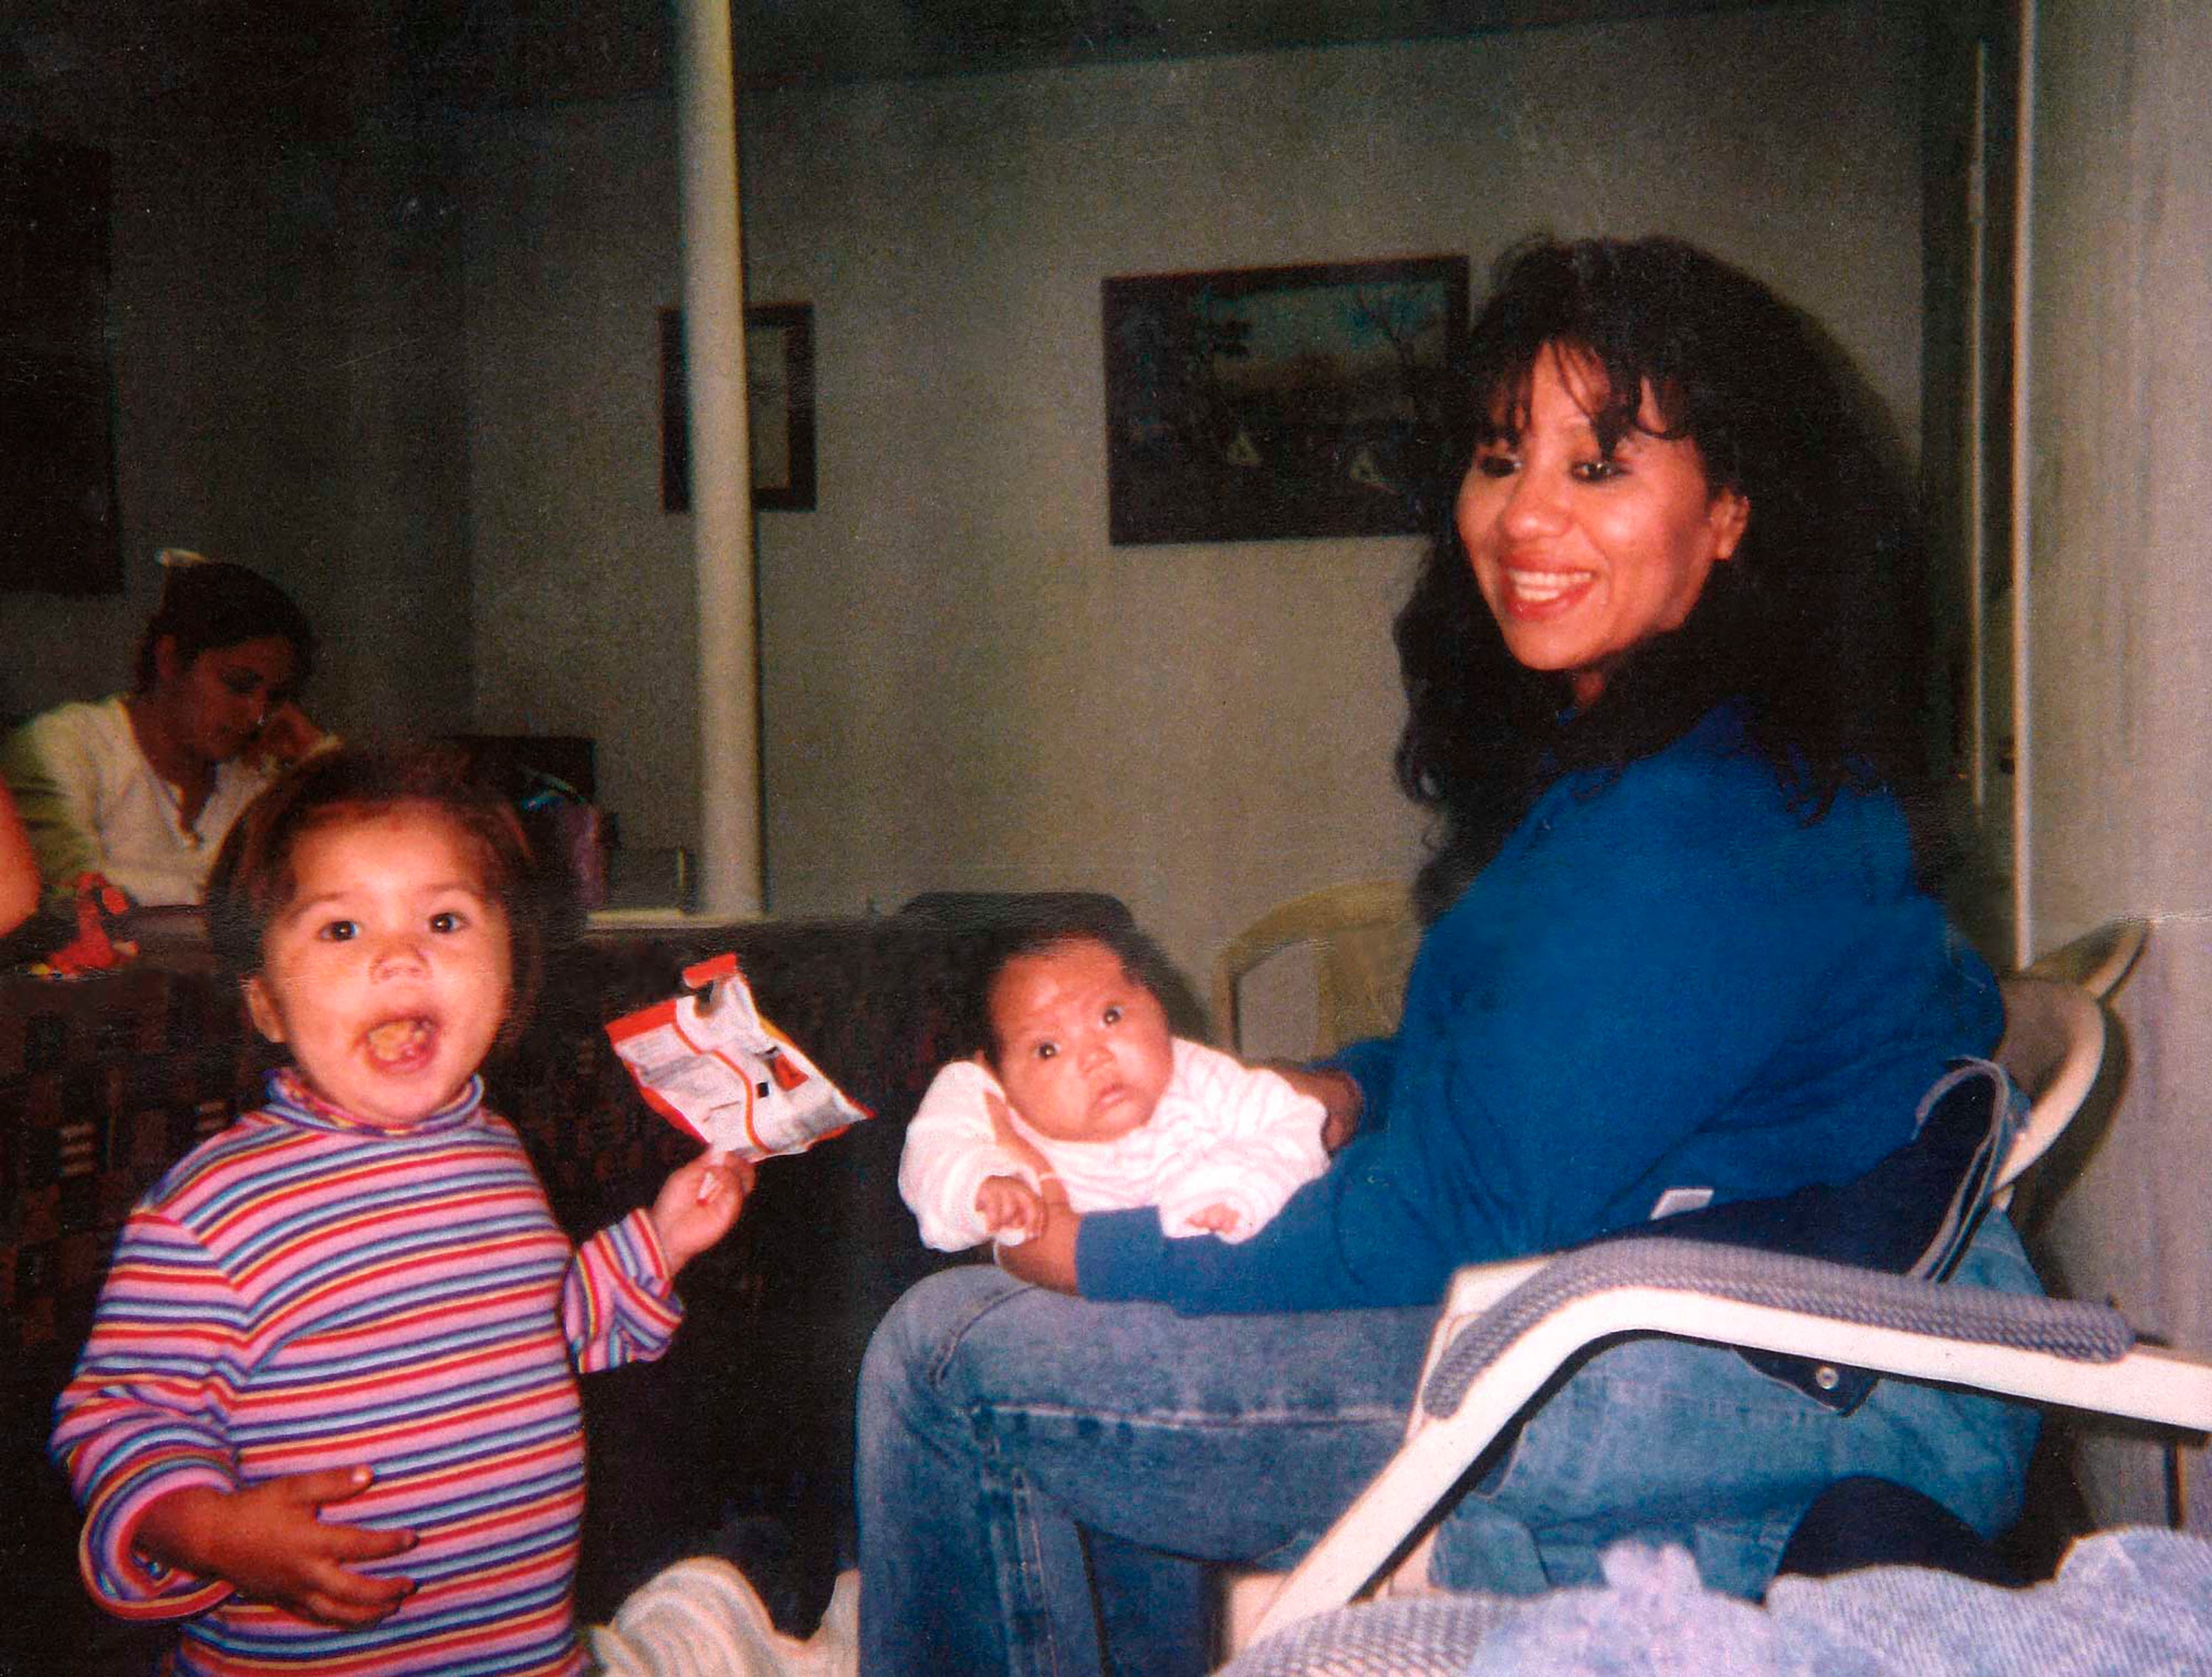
x=1338, y=1095
x=1047, y=1259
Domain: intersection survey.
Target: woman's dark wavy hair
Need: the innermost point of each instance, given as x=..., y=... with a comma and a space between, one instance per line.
x=254, y=878
x=1813, y=627
x=209, y=604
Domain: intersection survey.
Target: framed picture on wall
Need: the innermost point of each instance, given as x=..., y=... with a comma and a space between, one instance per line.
x=1258, y=402
x=779, y=409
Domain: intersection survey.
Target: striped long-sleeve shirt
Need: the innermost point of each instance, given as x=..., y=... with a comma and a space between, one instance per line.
x=305, y=1291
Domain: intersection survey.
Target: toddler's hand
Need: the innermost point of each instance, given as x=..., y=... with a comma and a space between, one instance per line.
x=266, y=1541
x=1216, y=1219
x=698, y=1203
x=1008, y=1205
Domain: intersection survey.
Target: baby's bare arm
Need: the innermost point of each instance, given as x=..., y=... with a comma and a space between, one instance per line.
x=266, y=1542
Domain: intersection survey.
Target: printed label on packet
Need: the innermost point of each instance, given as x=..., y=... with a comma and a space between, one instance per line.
x=713, y=1067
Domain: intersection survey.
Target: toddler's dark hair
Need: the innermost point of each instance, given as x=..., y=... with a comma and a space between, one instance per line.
x=254, y=878
x=1107, y=924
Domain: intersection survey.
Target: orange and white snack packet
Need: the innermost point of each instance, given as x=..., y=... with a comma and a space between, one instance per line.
x=719, y=1071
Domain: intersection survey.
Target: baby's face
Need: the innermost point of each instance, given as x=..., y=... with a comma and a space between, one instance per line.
x=1083, y=1049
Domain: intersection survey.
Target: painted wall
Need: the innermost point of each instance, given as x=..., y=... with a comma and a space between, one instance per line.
x=421, y=386
x=2120, y=650
x=285, y=327
x=584, y=607
x=966, y=685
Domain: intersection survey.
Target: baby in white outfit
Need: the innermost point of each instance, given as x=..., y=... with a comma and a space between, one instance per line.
x=1082, y=1094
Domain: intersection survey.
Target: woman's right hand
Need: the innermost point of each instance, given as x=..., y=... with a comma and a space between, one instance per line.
x=267, y=1541
x=1338, y=1095
x=285, y=737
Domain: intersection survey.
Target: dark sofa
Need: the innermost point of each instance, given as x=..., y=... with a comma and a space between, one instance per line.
x=745, y=1427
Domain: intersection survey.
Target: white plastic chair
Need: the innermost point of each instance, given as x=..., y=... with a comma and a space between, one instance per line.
x=1507, y=1329
x=1363, y=935
x=2097, y=961
x=2053, y=1042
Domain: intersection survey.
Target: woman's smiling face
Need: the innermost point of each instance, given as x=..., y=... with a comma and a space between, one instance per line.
x=1583, y=553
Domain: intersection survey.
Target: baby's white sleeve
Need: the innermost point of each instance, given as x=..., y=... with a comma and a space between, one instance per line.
x=1265, y=1144
x=951, y=1148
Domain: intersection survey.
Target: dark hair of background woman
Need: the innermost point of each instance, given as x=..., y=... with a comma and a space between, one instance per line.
x=1814, y=626
x=210, y=605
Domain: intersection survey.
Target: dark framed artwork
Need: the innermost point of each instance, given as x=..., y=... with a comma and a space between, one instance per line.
x=779, y=409
x=1257, y=403
x=57, y=521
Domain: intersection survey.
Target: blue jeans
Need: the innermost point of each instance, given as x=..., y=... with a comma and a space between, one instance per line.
x=1033, y=1467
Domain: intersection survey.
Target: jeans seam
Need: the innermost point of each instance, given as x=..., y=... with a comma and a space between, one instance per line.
x=949, y=1346
x=1200, y=1420
x=1038, y=1651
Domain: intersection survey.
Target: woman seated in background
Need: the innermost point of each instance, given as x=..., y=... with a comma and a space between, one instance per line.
x=1661, y=694
x=140, y=788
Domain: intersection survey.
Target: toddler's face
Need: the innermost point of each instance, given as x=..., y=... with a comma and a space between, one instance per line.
x=389, y=970
x=1084, y=1049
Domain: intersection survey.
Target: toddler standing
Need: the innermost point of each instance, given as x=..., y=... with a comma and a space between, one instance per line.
x=1082, y=1093
x=356, y=1299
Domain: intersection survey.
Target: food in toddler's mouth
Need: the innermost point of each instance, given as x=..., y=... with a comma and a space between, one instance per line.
x=397, y=1039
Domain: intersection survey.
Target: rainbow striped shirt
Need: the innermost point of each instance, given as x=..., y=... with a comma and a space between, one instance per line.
x=305, y=1291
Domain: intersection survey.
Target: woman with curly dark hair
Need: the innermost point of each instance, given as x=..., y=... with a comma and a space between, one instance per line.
x=1812, y=628
x=1660, y=691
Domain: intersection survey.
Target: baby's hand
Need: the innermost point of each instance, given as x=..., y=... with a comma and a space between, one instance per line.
x=698, y=1203
x=1216, y=1219
x=1008, y=1205
x=266, y=1541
